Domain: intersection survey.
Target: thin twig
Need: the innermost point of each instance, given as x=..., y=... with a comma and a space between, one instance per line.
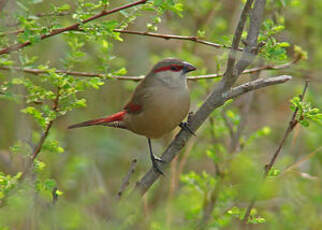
x=235, y=141
x=54, y=14
x=211, y=200
x=75, y=26
x=289, y=129
x=126, y=179
x=228, y=124
x=177, y=37
x=138, y=78
x=293, y=122
x=45, y=134
x=299, y=162
x=43, y=137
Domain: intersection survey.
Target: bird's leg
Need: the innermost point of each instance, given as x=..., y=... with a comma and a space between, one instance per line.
x=185, y=125
x=155, y=159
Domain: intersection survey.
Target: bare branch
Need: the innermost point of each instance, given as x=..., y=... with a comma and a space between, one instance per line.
x=236, y=39
x=74, y=73
x=293, y=122
x=126, y=179
x=75, y=26
x=228, y=124
x=177, y=37
x=235, y=141
x=211, y=103
x=138, y=78
x=252, y=47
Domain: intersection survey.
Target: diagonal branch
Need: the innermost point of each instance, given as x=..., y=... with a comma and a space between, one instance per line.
x=237, y=38
x=43, y=137
x=75, y=26
x=178, y=143
x=293, y=122
x=126, y=179
x=217, y=97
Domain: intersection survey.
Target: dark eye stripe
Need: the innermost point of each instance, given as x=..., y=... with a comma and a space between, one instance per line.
x=173, y=68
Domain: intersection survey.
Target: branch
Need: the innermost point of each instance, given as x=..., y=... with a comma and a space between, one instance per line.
x=252, y=47
x=75, y=26
x=235, y=140
x=138, y=78
x=236, y=39
x=293, y=122
x=177, y=37
x=43, y=137
x=211, y=103
x=126, y=179
x=151, y=34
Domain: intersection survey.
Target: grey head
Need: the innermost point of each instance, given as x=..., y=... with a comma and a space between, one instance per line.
x=172, y=65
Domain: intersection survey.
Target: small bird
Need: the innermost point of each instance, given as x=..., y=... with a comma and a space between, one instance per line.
x=159, y=103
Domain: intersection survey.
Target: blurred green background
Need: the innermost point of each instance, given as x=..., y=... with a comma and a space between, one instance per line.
x=87, y=165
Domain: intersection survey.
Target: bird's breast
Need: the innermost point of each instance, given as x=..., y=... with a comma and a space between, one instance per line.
x=162, y=111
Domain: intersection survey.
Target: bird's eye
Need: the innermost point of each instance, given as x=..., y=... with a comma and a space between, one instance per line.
x=174, y=68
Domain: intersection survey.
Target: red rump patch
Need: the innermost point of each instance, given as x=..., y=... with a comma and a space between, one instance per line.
x=132, y=108
x=115, y=117
x=101, y=121
x=173, y=67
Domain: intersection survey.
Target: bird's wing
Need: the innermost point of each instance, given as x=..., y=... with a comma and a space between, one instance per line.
x=137, y=101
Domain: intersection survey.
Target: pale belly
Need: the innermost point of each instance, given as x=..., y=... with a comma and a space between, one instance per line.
x=162, y=112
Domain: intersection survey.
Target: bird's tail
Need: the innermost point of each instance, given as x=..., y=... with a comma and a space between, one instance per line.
x=101, y=121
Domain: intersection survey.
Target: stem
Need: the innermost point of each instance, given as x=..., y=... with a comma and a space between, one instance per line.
x=293, y=122
x=138, y=78
x=75, y=26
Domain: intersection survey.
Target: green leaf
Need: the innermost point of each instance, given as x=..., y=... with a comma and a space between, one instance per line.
x=62, y=8
x=39, y=165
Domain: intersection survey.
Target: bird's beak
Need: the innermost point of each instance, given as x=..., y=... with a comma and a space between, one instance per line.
x=187, y=67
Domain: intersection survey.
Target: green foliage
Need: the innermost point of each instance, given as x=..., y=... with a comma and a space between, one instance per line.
x=82, y=171
x=273, y=49
x=8, y=183
x=306, y=112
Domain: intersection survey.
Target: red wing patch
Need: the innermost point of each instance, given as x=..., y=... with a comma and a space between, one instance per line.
x=133, y=108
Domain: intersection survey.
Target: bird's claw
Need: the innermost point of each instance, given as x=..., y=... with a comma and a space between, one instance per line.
x=158, y=159
x=155, y=165
x=185, y=126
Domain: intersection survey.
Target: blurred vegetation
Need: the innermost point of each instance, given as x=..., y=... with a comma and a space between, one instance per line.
x=77, y=174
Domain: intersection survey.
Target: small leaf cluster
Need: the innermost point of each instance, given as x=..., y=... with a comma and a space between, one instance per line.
x=273, y=49
x=306, y=112
x=7, y=183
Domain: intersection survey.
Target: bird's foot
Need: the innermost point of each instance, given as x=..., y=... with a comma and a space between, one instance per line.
x=189, y=118
x=158, y=159
x=186, y=127
x=155, y=160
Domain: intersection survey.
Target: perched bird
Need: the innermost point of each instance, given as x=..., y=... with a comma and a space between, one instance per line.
x=159, y=103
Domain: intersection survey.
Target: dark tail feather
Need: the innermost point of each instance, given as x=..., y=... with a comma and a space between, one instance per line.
x=101, y=121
